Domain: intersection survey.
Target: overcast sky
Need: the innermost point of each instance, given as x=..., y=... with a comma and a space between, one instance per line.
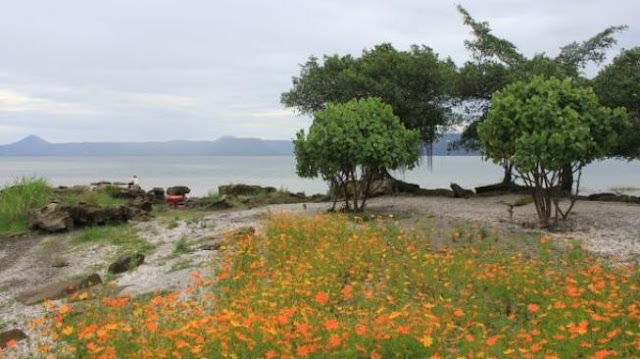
x=139, y=70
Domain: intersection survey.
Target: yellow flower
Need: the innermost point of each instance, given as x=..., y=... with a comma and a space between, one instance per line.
x=426, y=340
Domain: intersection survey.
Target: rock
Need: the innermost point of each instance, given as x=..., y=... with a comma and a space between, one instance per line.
x=244, y=190
x=244, y=231
x=438, y=192
x=613, y=197
x=221, y=203
x=59, y=263
x=53, y=217
x=459, y=192
x=501, y=188
x=126, y=193
x=157, y=193
x=178, y=191
x=139, y=209
x=93, y=215
x=11, y=334
x=125, y=263
x=404, y=187
x=211, y=246
x=58, y=290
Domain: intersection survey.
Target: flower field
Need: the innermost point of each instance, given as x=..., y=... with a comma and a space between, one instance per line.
x=328, y=287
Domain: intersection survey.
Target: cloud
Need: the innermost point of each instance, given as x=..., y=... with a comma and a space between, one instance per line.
x=199, y=69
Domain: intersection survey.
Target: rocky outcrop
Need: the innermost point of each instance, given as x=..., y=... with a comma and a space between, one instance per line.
x=156, y=194
x=244, y=190
x=221, y=203
x=498, y=188
x=85, y=215
x=178, y=191
x=613, y=197
x=438, y=192
x=459, y=192
x=10, y=336
x=58, y=290
x=126, y=263
x=51, y=218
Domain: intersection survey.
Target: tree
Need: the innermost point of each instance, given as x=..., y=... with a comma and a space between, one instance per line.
x=542, y=126
x=415, y=83
x=349, y=144
x=618, y=84
x=497, y=62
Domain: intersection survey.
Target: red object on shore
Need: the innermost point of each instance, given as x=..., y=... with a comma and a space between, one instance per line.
x=174, y=200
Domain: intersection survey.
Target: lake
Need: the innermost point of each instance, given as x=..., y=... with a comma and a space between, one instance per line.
x=205, y=173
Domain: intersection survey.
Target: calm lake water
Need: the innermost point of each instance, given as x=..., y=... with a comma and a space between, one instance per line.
x=205, y=173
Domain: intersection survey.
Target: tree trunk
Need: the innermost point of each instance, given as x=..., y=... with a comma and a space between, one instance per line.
x=566, y=178
x=508, y=172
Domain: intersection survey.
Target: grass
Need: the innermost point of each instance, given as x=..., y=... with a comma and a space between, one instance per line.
x=17, y=198
x=182, y=246
x=327, y=287
x=124, y=236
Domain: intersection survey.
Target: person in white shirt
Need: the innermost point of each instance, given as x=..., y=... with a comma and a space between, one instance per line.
x=135, y=183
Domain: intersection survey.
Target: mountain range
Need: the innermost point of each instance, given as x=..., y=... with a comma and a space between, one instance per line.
x=224, y=146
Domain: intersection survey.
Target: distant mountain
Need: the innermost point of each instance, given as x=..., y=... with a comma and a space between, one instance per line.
x=224, y=146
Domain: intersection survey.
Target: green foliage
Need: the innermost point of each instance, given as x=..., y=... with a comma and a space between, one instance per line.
x=546, y=124
x=416, y=83
x=618, y=84
x=497, y=63
x=353, y=143
x=17, y=198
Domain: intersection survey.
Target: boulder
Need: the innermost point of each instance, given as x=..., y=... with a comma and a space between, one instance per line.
x=459, y=192
x=11, y=334
x=613, y=197
x=58, y=290
x=156, y=193
x=213, y=245
x=139, y=209
x=93, y=215
x=126, y=193
x=244, y=190
x=53, y=217
x=178, y=191
x=125, y=263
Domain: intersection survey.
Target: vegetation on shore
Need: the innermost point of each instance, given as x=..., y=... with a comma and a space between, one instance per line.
x=328, y=287
x=19, y=197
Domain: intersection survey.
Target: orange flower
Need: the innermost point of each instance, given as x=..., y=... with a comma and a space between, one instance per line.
x=331, y=324
x=322, y=298
x=492, y=340
x=11, y=343
x=458, y=313
x=334, y=341
x=360, y=329
x=533, y=308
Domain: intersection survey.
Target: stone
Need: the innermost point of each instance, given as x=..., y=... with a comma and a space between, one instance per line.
x=84, y=215
x=244, y=190
x=178, y=191
x=211, y=246
x=501, y=188
x=125, y=263
x=51, y=218
x=11, y=334
x=459, y=192
x=58, y=290
x=157, y=194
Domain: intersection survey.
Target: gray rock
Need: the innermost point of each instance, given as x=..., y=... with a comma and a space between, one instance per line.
x=459, y=192
x=178, y=191
x=126, y=263
x=58, y=290
x=53, y=217
x=11, y=334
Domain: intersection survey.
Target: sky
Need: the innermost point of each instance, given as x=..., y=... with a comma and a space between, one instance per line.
x=155, y=70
